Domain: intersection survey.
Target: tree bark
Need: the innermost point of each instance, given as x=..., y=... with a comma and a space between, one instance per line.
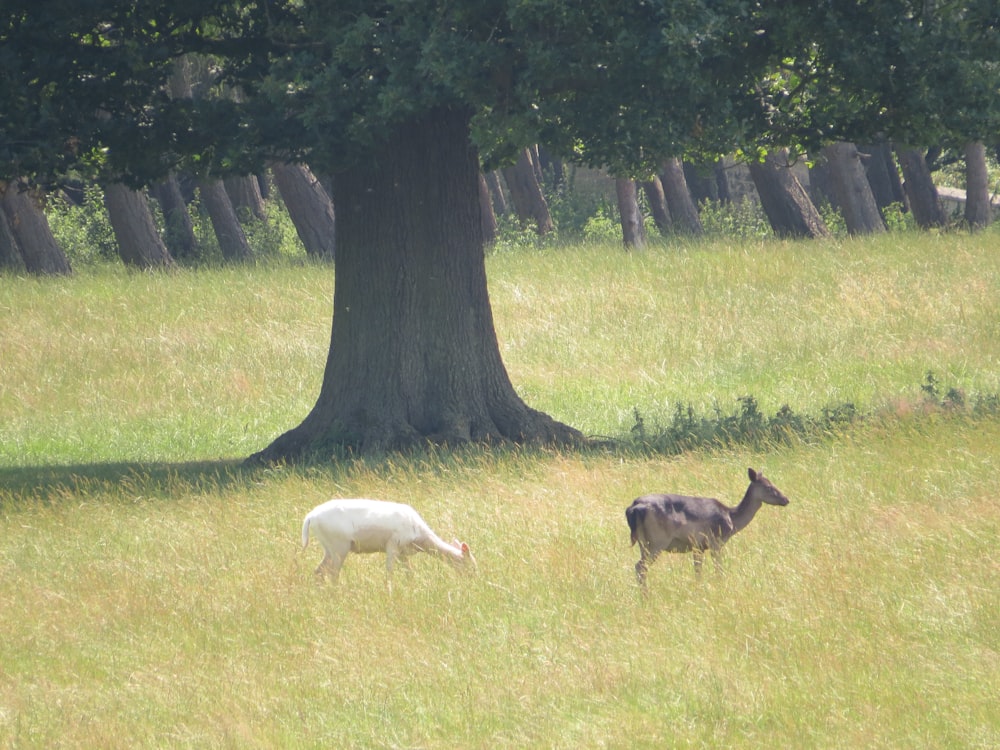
x=784, y=200
x=657, y=201
x=883, y=175
x=10, y=253
x=851, y=191
x=413, y=353
x=139, y=244
x=526, y=193
x=488, y=218
x=496, y=191
x=178, y=232
x=925, y=204
x=232, y=240
x=682, y=208
x=39, y=250
x=633, y=231
x=978, y=212
x=309, y=208
x=245, y=195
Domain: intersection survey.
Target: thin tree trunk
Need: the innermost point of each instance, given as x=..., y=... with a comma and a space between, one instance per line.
x=851, y=190
x=309, y=208
x=178, y=232
x=246, y=197
x=633, y=231
x=413, y=353
x=232, y=240
x=489, y=219
x=39, y=250
x=784, y=200
x=526, y=193
x=139, y=244
x=978, y=212
x=500, y=207
x=657, y=201
x=925, y=203
x=682, y=208
x=225, y=223
x=883, y=174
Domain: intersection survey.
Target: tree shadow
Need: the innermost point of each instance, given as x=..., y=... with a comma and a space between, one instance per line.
x=55, y=483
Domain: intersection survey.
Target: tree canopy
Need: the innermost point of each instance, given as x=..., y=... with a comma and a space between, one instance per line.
x=623, y=86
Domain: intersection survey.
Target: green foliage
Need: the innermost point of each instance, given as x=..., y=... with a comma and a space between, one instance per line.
x=604, y=225
x=83, y=231
x=742, y=220
x=747, y=427
x=574, y=200
x=898, y=219
x=85, y=234
x=833, y=218
x=85, y=85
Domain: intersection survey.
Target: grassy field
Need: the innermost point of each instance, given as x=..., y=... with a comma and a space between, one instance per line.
x=152, y=594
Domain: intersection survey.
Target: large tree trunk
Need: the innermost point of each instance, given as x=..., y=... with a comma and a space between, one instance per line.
x=526, y=193
x=309, y=208
x=413, y=352
x=851, y=190
x=139, y=244
x=10, y=253
x=925, y=203
x=178, y=234
x=232, y=240
x=978, y=212
x=633, y=230
x=784, y=200
x=657, y=201
x=26, y=220
x=679, y=201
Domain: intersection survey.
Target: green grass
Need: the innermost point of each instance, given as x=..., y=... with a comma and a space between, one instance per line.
x=152, y=594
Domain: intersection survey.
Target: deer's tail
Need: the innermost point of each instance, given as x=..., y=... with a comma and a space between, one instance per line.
x=635, y=514
x=305, y=532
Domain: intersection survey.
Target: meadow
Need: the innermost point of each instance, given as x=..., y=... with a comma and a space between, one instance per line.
x=153, y=593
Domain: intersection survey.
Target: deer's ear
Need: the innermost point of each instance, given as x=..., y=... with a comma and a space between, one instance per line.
x=752, y=474
x=465, y=549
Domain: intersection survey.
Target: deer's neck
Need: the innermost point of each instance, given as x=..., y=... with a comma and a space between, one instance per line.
x=431, y=542
x=743, y=513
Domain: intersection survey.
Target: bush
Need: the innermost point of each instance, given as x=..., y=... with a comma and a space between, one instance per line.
x=83, y=231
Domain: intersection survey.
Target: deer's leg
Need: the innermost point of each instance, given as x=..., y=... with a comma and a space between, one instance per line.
x=404, y=563
x=699, y=558
x=330, y=565
x=645, y=558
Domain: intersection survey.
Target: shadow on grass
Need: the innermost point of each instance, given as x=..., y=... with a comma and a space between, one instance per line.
x=681, y=432
x=125, y=479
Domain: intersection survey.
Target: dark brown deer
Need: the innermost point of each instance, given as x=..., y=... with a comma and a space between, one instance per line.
x=677, y=523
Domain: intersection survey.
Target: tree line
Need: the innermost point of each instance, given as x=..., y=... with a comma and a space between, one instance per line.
x=408, y=105
x=860, y=182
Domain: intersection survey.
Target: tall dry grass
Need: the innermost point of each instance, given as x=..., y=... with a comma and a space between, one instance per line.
x=152, y=594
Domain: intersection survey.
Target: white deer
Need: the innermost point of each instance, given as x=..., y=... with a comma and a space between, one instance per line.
x=365, y=526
